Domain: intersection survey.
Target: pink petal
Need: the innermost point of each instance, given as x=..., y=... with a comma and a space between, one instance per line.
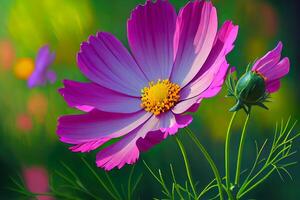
x=98, y=125
x=151, y=30
x=217, y=83
x=85, y=108
x=279, y=70
x=152, y=138
x=89, y=146
x=195, y=33
x=125, y=151
x=268, y=61
x=273, y=86
x=194, y=107
x=166, y=120
x=181, y=121
x=105, y=61
x=211, y=76
x=93, y=95
x=186, y=105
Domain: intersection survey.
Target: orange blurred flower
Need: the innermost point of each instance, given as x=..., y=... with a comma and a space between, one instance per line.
x=7, y=54
x=37, y=106
x=24, y=68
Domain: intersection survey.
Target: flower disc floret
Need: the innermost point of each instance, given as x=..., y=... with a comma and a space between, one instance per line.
x=160, y=97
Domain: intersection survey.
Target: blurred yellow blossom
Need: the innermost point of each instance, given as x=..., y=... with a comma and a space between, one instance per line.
x=24, y=68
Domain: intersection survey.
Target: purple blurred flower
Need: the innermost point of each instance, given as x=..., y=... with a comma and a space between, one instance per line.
x=41, y=73
x=272, y=68
x=142, y=98
x=232, y=70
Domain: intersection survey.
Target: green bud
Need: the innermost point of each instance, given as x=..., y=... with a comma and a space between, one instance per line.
x=250, y=90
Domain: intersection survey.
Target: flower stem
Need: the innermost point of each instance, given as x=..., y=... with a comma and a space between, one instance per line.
x=227, y=152
x=256, y=184
x=240, y=152
x=187, y=165
x=209, y=159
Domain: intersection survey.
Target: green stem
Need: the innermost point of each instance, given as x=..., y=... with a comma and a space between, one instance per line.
x=209, y=159
x=227, y=152
x=240, y=152
x=256, y=184
x=246, y=184
x=187, y=165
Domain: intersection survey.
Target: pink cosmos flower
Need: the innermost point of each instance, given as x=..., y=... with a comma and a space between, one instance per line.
x=272, y=68
x=41, y=73
x=142, y=97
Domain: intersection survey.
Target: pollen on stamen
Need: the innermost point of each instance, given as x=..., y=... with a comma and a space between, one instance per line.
x=160, y=97
x=261, y=75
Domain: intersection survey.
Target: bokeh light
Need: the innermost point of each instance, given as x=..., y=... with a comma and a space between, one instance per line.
x=7, y=54
x=24, y=122
x=23, y=68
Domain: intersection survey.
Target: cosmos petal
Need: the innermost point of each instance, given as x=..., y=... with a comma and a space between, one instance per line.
x=268, y=61
x=155, y=137
x=272, y=68
x=152, y=138
x=151, y=30
x=97, y=125
x=185, y=105
x=211, y=76
x=126, y=150
x=273, y=86
x=105, y=61
x=195, y=33
x=88, y=146
x=181, y=121
x=78, y=94
x=279, y=70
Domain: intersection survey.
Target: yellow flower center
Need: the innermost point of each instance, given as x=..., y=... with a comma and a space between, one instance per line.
x=160, y=96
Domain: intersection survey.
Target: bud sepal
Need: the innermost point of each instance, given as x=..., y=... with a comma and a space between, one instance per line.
x=249, y=90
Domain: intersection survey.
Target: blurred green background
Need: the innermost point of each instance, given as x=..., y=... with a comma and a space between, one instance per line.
x=28, y=117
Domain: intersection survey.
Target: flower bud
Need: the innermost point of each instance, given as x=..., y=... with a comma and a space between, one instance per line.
x=250, y=90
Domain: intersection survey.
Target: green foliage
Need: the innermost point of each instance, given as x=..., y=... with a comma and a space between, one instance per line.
x=280, y=157
x=71, y=186
x=277, y=159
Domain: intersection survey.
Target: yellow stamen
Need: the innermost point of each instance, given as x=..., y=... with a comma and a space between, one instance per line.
x=261, y=75
x=160, y=96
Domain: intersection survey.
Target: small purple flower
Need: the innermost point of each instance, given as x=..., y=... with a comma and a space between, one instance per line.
x=41, y=73
x=232, y=70
x=272, y=68
x=143, y=97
